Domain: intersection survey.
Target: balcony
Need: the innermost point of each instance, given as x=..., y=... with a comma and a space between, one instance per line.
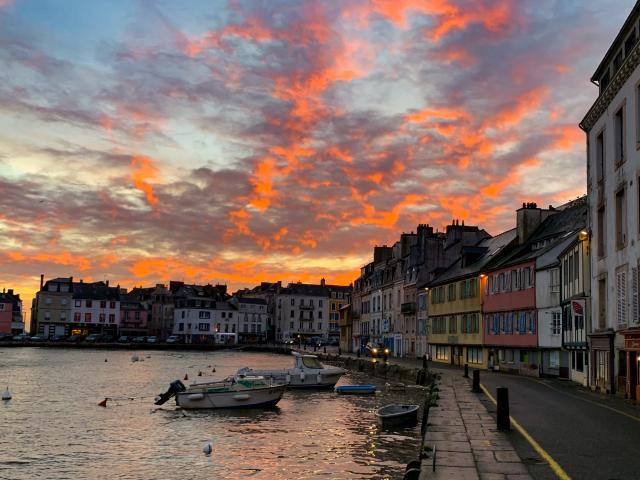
x=307, y=307
x=408, y=308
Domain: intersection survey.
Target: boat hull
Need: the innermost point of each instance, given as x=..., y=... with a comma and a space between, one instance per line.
x=257, y=398
x=401, y=415
x=326, y=378
x=356, y=389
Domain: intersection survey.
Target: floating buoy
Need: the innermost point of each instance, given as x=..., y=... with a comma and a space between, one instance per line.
x=6, y=395
x=186, y=376
x=207, y=449
x=214, y=370
x=103, y=403
x=105, y=360
x=134, y=358
x=199, y=374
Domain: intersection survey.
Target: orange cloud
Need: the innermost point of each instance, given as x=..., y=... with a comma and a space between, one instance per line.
x=144, y=170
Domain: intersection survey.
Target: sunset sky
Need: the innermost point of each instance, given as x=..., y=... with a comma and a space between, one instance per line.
x=245, y=141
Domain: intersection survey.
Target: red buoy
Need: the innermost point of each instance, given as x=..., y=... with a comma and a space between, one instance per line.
x=103, y=403
x=186, y=376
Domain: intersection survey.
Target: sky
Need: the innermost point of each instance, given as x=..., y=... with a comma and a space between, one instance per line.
x=243, y=141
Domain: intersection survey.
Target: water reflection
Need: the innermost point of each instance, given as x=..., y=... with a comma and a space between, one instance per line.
x=53, y=427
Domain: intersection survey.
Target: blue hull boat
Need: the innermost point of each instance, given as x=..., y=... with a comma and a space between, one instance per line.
x=356, y=389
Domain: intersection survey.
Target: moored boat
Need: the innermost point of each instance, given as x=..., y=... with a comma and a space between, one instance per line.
x=356, y=389
x=398, y=414
x=238, y=391
x=308, y=372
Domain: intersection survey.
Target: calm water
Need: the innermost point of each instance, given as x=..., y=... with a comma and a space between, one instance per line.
x=54, y=429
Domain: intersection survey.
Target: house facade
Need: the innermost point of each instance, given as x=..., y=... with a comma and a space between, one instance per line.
x=51, y=310
x=612, y=125
x=11, y=318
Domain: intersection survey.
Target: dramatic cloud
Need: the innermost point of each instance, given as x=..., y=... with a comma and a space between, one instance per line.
x=250, y=140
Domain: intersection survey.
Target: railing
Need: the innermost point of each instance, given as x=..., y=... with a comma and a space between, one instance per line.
x=307, y=307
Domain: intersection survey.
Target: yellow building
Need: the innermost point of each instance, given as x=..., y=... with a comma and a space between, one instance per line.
x=455, y=306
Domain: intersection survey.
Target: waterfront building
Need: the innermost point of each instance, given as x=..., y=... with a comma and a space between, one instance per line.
x=513, y=321
x=455, y=300
x=575, y=288
x=95, y=308
x=269, y=292
x=346, y=328
x=51, y=308
x=162, y=311
x=11, y=319
x=134, y=314
x=252, y=318
x=302, y=310
x=612, y=125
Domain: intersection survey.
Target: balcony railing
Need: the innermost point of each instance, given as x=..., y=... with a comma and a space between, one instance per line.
x=408, y=308
x=307, y=307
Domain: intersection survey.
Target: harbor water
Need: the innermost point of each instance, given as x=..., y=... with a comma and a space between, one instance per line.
x=53, y=427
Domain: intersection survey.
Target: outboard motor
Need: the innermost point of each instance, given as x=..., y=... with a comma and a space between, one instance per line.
x=174, y=387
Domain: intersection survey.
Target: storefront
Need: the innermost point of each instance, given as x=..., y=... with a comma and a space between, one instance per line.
x=632, y=351
x=602, y=360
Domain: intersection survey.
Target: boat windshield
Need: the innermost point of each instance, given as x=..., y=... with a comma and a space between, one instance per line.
x=311, y=362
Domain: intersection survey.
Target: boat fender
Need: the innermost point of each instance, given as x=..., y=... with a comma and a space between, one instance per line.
x=6, y=395
x=186, y=376
x=302, y=376
x=241, y=396
x=288, y=378
x=207, y=449
x=319, y=378
x=195, y=396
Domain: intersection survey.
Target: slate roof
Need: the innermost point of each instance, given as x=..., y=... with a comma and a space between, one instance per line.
x=95, y=291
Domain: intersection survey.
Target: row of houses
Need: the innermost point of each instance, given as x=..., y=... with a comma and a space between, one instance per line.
x=197, y=313
x=556, y=295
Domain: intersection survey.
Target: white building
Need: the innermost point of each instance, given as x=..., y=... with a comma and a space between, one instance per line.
x=95, y=308
x=252, y=318
x=200, y=319
x=612, y=125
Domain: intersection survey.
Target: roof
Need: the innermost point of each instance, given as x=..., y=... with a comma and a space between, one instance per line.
x=491, y=246
x=95, y=291
x=554, y=229
x=256, y=301
x=313, y=290
x=629, y=22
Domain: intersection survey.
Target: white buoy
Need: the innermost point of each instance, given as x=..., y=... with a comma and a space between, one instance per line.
x=207, y=449
x=6, y=395
x=134, y=357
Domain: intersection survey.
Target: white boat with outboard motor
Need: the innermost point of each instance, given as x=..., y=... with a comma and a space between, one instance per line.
x=308, y=372
x=237, y=391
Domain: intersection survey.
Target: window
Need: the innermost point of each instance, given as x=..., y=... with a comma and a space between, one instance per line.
x=102, y=317
x=88, y=303
x=621, y=297
x=204, y=327
x=578, y=361
x=618, y=126
x=442, y=352
x=602, y=233
x=224, y=314
x=63, y=301
x=621, y=218
x=638, y=113
x=204, y=315
x=474, y=355
x=292, y=314
x=78, y=303
x=319, y=313
x=112, y=304
x=452, y=292
x=554, y=280
x=293, y=302
x=47, y=301
x=453, y=324
x=112, y=318
x=556, y=323
x=319, y=325
x=635, y=301
x=319, y=303
x=77, y=317
x=630, y=42
x=87, y=317
x=103, y=304
x=602, y=303
x=181, y=327
x=230, y=314
x=291, y=325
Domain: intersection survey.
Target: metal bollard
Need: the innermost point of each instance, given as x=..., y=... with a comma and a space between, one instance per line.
x=466, y=370
x=424, y=361
x=476, y=381
x=358, y=353
x=325, y=349
x=339, y=351
x=502, y=410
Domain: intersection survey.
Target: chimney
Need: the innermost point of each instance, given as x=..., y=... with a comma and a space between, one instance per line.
x=107, y=283
x=528, y=218
x=10, y=291
x=322, y=282
x=71, y=280
x=41, y=280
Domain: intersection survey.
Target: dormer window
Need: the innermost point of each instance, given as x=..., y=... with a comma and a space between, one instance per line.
x=617, y=61
x=630, y=42
x=604, y=82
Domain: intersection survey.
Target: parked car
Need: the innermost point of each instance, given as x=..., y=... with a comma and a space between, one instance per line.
x=174, y=339
x=59, y=338
x=124, y=339
x=376, y=350
x=289, y=341
x=152, y=339
x=5, y=337
x=334, y=342
x=139, y=339
x=38, y=338
x=75, y=338
x=22, y=337
x=93, y=338
x=107, y=338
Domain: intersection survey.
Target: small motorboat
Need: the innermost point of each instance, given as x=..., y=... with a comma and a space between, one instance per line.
x=356, y=389
x=238, y=391
x=398, y=414
x=308, y=372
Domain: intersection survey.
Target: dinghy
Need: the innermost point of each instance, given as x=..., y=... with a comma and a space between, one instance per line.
x=398, y=414
x=356, y=389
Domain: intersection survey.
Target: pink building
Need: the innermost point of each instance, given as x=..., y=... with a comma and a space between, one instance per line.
x=6, y=315
x=510, y=318
x=134, y=317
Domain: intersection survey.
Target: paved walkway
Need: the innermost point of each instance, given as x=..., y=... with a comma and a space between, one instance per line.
x=464, y=436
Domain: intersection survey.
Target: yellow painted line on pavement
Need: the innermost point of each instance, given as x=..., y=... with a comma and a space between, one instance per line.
x=637, y=419
x=555, y=466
